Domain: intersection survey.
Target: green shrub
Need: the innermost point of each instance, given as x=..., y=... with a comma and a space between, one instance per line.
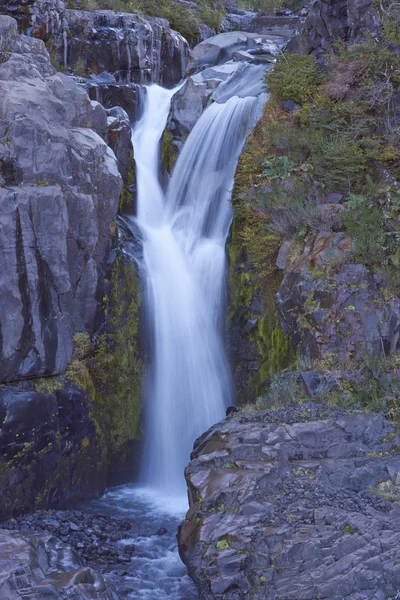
x=295, y=77
x=364, y=223
x=277, y=167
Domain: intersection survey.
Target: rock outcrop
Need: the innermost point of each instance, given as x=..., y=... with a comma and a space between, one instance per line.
x=299, y=502
x=39, y=565
x=333, y=20
x=59, y=193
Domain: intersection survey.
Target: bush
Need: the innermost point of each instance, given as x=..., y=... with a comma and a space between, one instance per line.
x=366, y=228
x=295, y=77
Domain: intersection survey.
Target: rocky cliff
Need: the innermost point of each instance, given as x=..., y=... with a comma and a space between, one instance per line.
x=62, y=278
x=59, y=195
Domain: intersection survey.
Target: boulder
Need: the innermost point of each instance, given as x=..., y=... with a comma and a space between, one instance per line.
x=298, y=502
x=39, y=565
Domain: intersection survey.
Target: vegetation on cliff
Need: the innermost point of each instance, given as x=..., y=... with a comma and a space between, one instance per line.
x=324, y=158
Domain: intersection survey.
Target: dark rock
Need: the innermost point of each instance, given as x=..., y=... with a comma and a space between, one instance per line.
x=41, y=458
x=328, y=305
x=231, y=410
x=161, y=531
x=290, y=106
x=40, y=566
x=293, y=510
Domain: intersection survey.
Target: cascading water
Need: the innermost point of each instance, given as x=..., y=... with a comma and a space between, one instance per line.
x=184, y=266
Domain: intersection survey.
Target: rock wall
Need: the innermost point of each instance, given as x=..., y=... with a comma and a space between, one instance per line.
x=69, y=301
x=59, y=194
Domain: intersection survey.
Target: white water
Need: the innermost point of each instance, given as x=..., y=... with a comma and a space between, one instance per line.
x=184, y=265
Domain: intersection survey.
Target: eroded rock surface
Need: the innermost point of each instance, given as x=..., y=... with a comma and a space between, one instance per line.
x=295, y=503
x=59, y=193
x=39, y=565
x=329, y=305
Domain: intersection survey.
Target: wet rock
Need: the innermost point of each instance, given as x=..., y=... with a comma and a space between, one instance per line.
x=224, y=65
x=130, y=47
x=162, y=531
x=288, y=503
x=34, y=565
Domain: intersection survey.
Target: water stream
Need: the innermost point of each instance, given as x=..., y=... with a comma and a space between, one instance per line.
x=184, y=268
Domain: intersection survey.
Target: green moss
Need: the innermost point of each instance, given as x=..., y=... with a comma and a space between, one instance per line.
x=48, y=385
x=168, y=152
x=254, y=280
x=222, y=545
x=112, y=376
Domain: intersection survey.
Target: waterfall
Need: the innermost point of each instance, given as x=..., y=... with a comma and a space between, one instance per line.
x=184, y=269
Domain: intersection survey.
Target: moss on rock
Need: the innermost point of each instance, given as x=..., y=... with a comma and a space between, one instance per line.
x=168, y=152
x=258, y=345
x=112, y=374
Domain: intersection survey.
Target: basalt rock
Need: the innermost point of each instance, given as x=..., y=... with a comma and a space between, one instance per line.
x=39, y=565
x=59, y=194
x=295, y=503
x=132, y=48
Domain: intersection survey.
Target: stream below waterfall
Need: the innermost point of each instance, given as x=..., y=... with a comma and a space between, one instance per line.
x=155, y=572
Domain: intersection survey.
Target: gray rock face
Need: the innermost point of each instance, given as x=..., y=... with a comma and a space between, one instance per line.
x=59, y=195
x=133, y=48
x=34, y=566
x=126, y=45
x=328, y=21
x=287, y=504
x=342, y=310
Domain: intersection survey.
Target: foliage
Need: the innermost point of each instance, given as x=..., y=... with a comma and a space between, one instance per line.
x=111, y=371
x=277, y=167
x=371, y=382
x=268, y=7
x=168, y=152
x=79, y=67
x=364, y=222
x=295, y=77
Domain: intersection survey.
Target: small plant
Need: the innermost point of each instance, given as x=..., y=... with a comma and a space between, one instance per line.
x=222, y=545
x=277, y=167
x=79, y=67
x=295, y=77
